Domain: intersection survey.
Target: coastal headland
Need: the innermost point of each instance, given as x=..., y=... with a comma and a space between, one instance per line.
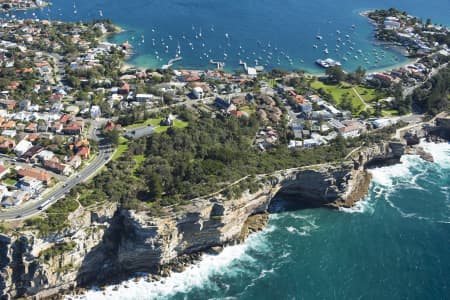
x=106, y=239
x=184, y=162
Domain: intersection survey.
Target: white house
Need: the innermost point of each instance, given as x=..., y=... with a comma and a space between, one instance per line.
x=30, y=185
x=198, y=92
x=144, y=97
x=22, y=147
x=392, y=24
x=9, y=133
x=251, y=71
x=3, y=191
x=95, y=111
x=45, y=155
x=350, y=131
x=379, y=123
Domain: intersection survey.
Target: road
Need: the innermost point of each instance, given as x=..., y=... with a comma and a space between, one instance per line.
x=415, y=121
x=31, y=208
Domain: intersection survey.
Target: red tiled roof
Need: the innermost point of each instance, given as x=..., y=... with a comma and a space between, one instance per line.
x=64, y=118
x=34, y=173
x=2, y=169
x=83, y=151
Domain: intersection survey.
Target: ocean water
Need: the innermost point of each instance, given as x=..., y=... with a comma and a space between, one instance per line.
x=275, y=33
x=393, y=245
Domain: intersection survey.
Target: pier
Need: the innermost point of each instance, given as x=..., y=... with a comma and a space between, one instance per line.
x=251, y=70
x=171, y=62
x=219, y=64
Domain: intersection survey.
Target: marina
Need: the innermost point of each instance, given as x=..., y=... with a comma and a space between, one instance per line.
x=155, y=40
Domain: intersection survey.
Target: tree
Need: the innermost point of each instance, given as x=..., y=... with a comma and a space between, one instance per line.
x=346, y=102
x=360, y=73
x=155, y=187
x=335, y=74
x=114, y=136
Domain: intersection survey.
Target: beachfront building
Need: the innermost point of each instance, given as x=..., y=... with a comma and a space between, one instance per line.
x=198, y=92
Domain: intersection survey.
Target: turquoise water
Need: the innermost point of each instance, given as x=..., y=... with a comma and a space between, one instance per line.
x=393, y=245
x=276, y=33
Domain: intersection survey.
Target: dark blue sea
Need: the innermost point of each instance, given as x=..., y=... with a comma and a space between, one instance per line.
x=273, y=34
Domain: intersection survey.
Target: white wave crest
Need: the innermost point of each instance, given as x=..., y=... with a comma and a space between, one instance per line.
x=305, y=229
x=365, y=205
x=440, y=152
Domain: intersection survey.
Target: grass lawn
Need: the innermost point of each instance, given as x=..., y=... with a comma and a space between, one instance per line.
x=10, y=181
x=389, y=113
x=139, y=159
x=337, y=91
x=249, y=110
x=369, y=95
x=155, y=123
x=123, y=146
x=176, y=124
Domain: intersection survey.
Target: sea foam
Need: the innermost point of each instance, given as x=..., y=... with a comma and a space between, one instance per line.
x=411, y=174
x=195, y=276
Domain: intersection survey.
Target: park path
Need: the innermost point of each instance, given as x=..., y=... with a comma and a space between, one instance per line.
x=366, y=106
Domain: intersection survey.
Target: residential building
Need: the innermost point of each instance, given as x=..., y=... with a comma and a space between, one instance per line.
x=6, y=145
x=198, y=92
x=225, y=105
x=351, y=130
x=31, y=153
x=9, y=133
x=35, y=173
x=95, y=112
x=74, y=128
x=8, y=104
x=144, y=97
x=57, y=167
x=3, y=171
x=84, y=152
x=29, y=184
x=45, y=155
x=75, y=162
x=22, y=147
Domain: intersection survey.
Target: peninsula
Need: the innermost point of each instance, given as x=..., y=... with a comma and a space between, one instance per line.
x=108, y=171
x=9, y=5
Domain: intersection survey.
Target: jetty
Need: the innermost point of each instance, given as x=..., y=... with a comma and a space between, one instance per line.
x=219, y=64
x=251, y=70
x=171, y=62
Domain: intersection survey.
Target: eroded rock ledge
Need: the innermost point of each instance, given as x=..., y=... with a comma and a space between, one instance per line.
x=110, y=243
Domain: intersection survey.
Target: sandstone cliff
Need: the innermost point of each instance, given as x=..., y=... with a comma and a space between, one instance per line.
x=108, y=242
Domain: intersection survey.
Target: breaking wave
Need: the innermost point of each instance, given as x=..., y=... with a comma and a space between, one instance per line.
x=415, y=175
x=197, y=275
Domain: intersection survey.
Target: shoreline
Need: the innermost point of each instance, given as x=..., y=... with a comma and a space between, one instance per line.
x=22, y=9
x=127, y=64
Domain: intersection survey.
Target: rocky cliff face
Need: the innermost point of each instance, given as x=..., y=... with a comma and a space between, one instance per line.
x=101, y=245
x=42, y=266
